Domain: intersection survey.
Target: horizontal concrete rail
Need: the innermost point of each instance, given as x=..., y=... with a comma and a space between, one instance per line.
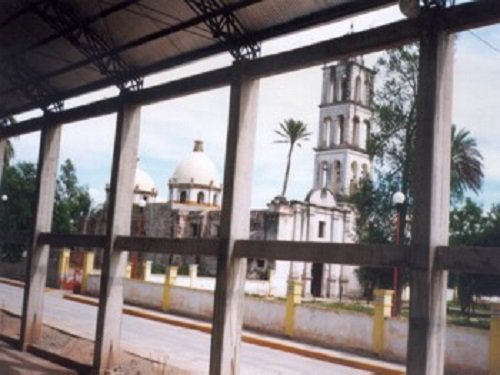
x=472, y=259
x=168, y=245
x=68, y=240
x=354, y=254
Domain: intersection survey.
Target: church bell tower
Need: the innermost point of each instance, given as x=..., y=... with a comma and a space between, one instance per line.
x=341, y=158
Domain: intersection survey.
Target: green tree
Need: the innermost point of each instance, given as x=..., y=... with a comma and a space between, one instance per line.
x=293, y=132
x=72, y=201
x=392, y=147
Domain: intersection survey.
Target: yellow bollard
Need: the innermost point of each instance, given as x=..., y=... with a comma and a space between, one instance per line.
x=88, y=267
x=495, y=339
x=63, y=265
x=383, y=305
x=293, y=298
x=128, y=270
x=193, y=274
x=170, y=276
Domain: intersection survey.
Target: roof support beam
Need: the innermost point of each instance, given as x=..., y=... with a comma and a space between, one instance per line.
x=226, y=26
x=62, y=18
x=20, y=75
x=460, y=17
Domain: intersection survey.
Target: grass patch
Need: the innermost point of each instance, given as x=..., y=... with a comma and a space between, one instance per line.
x=356, y=307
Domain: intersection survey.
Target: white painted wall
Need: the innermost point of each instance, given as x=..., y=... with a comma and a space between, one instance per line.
x=466, y=348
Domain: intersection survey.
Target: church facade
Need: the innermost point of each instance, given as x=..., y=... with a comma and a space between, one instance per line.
x=340, y=161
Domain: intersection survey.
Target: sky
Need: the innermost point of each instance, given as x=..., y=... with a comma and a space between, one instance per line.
x=168, y=129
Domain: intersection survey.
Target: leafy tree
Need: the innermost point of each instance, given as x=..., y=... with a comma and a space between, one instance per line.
x=293, y=132
x=392, y=146
x=19, y=184
x=72, y=200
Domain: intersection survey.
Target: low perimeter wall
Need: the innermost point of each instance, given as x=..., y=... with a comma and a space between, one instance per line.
x=466, y=348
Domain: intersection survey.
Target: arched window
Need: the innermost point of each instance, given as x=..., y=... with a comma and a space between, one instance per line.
x=343, y=84
x=338, y=176
x=325, y=132
x=331, y=87
x=183, y=196
x=364, y=171
x=357, y=89
x=355, y=131
x=341, y=131
x=200, y=198
x=324, y=174
x=354, y=177
x=215, y=199
x=368, y=133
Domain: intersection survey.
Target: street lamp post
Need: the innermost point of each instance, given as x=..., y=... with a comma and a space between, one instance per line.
x=398, y=200
x=3, y=203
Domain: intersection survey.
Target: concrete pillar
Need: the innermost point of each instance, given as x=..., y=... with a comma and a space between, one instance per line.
x=494, y=358
x=235, y=216
x=383, y=305
x=119, y=212
x=293, y=298
x=88, y=267
x=3, y=146
x=63, y=266
x=38, y=255
x=193, y=274
x=427, y=322
x=170, y=276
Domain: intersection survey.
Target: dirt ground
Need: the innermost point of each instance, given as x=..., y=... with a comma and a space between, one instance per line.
x=81, y=350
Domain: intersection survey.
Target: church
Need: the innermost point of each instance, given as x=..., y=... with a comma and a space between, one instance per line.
x=340, y=161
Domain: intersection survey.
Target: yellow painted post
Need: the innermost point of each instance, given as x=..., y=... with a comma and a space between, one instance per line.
x=495, y=339
x=383, y=305
x=63, y=265
x=193, y=274
x=88, y=267
x=146, y=270
x=293, y=298
x=128, y=270
x=170, y=276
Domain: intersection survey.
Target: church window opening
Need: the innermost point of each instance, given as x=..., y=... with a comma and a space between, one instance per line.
x=321, y=229
x=195, y=230
x=200, y=198
x=368, y=131
x=343, y=96
x=357, y=89
x=183, y=197
x=215, y=199
x=341, y=129
x=324, y=174
x=331, y=87
x=355, y=131
x=354, y=179
x=338, y=168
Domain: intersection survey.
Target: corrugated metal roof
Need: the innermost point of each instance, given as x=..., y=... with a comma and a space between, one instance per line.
x=54, y=49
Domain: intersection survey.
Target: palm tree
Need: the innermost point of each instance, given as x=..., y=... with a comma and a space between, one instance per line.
x=466, y=164
x=293, y=132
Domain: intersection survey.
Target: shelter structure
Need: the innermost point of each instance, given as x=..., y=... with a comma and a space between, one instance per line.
x=101, y=49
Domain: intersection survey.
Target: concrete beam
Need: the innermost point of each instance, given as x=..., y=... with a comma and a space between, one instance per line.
x=427, y=323
x=235, y=216
x=168, y=245
x=376, y=255
x=473, y=259
x=120, y=201
x=38, y=255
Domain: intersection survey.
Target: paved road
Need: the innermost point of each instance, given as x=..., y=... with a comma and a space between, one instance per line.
x=177, y=347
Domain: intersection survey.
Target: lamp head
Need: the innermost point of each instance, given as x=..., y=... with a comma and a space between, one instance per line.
x=398, y=198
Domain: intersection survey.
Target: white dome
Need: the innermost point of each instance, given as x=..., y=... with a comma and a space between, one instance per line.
x=143, y=182
x=321, y=197
x=196, y=168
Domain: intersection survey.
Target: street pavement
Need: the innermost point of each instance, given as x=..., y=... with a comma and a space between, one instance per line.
x=177, y=347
